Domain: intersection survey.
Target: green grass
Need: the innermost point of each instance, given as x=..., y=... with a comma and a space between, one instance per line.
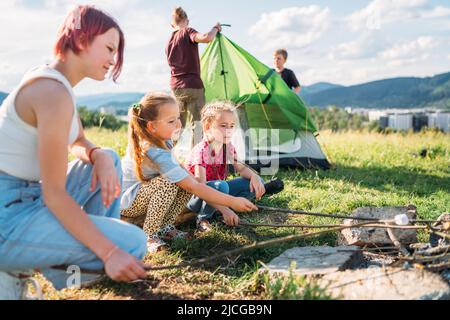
x=371, y=170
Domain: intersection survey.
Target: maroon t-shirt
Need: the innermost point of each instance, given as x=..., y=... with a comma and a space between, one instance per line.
x=184, y=61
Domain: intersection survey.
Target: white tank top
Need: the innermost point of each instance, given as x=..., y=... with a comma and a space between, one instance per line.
x=18, y=139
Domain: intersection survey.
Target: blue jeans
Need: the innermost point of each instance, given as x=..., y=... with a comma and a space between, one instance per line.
x=238, y=187
x=31, y=236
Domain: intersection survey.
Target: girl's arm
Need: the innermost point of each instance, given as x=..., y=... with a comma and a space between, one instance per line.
x=200, y=174
x=53, y=108
x=81, y=147
x=103, y=172
x=213, y=196
x=255, y=181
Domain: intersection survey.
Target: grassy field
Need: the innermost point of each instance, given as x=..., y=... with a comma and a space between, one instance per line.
x=371, y=170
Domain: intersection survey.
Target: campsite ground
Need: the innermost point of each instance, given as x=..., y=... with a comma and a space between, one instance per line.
x=371, y=170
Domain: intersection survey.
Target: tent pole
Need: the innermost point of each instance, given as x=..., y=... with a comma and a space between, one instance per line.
x=223, y=67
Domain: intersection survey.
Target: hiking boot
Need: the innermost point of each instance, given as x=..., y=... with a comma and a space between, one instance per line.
x=204, y=226
x=274, y=186
x=15, y=286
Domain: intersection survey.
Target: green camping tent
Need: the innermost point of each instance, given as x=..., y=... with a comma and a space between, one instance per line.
x=275, y=122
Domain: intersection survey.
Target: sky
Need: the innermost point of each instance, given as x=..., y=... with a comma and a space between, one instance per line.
x=343, y=42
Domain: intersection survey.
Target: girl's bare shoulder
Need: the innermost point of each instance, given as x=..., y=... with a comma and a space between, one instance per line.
x=44, y=93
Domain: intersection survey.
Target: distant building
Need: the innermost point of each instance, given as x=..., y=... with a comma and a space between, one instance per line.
x=420, y=121
x=108, y=110
x=376, y=114
x=439, y=120
x=383, y=122
x=407, y=119
x=401, y=122
x=123, y=118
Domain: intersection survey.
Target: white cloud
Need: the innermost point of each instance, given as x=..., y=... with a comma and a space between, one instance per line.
x=136, y=77
x=368, y=45
x=437, y=12
x=448, y=57
x=410, y=50
x=381, y=12
x=294, y=27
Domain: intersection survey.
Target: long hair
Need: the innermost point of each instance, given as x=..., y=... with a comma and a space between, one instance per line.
x=81, y=26
x=140, y=139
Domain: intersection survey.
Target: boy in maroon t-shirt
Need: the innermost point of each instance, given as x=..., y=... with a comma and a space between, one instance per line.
x=184, y=61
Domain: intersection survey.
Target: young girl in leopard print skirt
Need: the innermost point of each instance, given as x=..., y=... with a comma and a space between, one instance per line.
x=156, y=187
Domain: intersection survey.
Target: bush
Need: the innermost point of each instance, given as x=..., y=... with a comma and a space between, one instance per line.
x=337, y=119
x=96, y=119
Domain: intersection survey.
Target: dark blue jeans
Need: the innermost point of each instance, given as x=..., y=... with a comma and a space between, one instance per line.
x=238, y=187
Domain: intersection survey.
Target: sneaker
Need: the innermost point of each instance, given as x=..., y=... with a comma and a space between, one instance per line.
x=155, y=244
x=15, y=286
x=169, y=232
x=274, y=186
x=204, y=226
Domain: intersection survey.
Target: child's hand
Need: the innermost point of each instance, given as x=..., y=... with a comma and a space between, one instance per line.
x=257, y=186
x=105, y=174
x=243, y=205
x=230, y=218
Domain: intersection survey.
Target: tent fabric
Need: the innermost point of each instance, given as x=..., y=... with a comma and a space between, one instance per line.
x=231, y=73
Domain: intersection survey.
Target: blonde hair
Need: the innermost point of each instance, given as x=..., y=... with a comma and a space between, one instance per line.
x=140, y=114
x=179, y=15
x=212, y=110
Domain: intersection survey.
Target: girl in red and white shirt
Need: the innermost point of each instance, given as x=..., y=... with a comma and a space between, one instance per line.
x=209, y=160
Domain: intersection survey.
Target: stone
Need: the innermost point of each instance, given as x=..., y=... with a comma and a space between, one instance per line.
x=378, y=236
x=386, y=284
x=316, y=260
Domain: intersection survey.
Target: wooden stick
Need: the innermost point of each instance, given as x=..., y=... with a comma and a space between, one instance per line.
x=433, y=251
x=306, y=226
x=425, y=259
x=248, y=224
x=318, y=214
x=441, y=234
x=337, y=216
x=395, y=241
x=438, y=266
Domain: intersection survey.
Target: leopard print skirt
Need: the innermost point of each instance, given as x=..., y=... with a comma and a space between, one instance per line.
x=157, y=204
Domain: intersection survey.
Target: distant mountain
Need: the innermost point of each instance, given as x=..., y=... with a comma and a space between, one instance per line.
x=2, y=96
x=388, y=93
x=382, y=94
x=317, y=87
x=116, y=100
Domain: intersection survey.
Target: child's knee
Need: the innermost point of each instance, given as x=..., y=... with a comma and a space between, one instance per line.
x=137, y=242
x=221, y=186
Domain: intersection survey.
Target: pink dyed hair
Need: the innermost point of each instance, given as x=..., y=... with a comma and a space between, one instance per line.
x=81, y=26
